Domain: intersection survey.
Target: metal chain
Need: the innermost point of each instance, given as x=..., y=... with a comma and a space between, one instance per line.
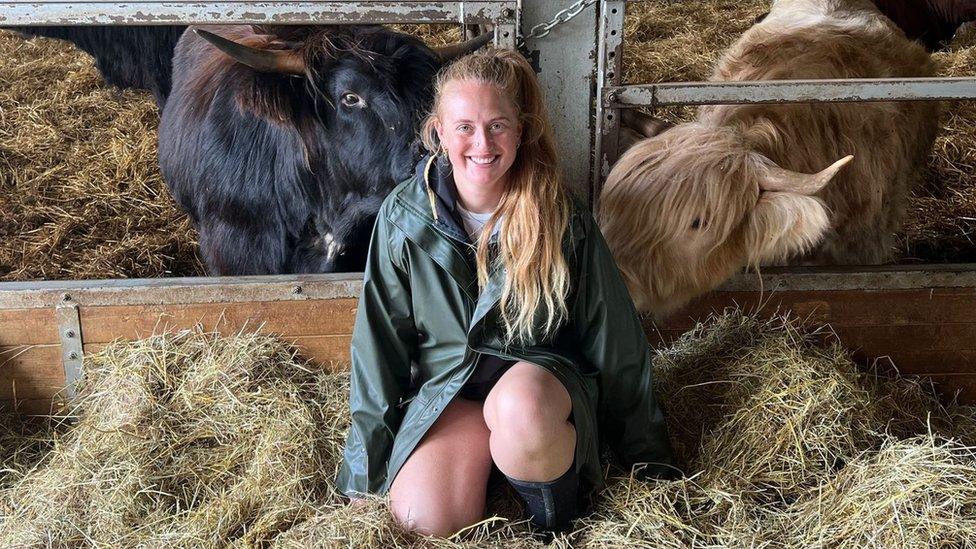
x=563, y=16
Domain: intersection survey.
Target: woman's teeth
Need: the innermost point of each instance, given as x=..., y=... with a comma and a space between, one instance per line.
x=483, y=161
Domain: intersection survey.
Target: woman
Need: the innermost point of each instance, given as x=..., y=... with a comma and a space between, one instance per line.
x=499, y=289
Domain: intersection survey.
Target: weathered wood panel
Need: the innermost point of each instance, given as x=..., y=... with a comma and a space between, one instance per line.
x=30, y=372
x=34, y=407
x=925, y=321
x=289, y=318
x=28, y=327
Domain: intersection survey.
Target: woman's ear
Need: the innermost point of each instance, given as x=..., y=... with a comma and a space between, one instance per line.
x=439, y=128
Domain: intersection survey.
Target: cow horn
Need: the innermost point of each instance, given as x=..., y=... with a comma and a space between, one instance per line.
x=778, y=179
x=277, y=61
x=449, y=53
x=643, y=123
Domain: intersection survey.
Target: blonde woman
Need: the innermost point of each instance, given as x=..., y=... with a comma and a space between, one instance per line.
x=497, y=287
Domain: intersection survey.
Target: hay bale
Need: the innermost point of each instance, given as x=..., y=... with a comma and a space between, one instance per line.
x=186, y=439
x=667, y=41
x=195, y=439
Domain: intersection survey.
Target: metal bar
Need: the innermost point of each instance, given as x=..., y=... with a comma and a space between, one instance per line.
x=204, y=13
x=506, y=29
x=790, y=91
x=607, y=117
x=72, y=349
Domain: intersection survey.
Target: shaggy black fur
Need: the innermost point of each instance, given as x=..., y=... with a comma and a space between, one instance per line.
x=127, y=57
x=279, y=175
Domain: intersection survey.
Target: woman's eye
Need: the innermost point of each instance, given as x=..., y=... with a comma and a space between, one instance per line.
x=353, y=100
x=497, y=127
x=464, y=128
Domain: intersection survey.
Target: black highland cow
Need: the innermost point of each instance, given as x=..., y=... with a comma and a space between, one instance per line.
x=281, y=142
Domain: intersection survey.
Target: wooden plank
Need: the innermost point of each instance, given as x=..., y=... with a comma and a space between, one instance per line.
x=28, y=326
x=289, y=319
x=33, y=407
x=156, y=291
x=33, y=294
x=33, y=388
x=331, y=351
x=920, y=349
x=29, y=362
x=840, y=308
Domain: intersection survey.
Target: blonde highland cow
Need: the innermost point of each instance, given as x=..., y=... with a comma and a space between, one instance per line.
x=775, y=184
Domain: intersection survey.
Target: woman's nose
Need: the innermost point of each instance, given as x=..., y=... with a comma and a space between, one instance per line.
x=482, y=138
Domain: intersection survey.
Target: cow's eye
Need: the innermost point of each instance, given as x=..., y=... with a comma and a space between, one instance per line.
x=698, y=223
x=353, y=100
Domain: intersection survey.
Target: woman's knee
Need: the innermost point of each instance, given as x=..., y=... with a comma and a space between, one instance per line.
x=430, y=516
x=528, y=399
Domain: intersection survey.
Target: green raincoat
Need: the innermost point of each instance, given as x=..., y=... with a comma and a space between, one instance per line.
x=420, y=305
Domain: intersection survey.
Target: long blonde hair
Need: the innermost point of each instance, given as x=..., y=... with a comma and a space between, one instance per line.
x=534, y=208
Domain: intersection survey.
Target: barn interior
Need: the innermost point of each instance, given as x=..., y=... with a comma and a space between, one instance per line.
x=86, y=200
x=194, y=438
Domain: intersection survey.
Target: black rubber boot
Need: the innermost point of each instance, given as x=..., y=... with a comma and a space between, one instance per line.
x=551, y=505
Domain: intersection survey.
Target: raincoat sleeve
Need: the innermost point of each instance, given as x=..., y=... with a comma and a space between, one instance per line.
x=382, y=341
x=612, y=340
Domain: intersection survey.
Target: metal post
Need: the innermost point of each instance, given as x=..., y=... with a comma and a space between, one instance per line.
x=566, y=60
x=608, y=74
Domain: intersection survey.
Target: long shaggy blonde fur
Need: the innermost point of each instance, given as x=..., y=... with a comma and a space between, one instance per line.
x=685, y=210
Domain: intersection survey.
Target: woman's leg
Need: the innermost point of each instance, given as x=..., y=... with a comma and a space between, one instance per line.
x=528, y=413
x=533, y=443
x=441, y=487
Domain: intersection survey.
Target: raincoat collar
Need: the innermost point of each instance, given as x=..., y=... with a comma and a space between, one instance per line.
x=438, y=179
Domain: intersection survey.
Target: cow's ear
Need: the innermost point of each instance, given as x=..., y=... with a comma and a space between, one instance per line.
x=784, y=224
x=778, y=179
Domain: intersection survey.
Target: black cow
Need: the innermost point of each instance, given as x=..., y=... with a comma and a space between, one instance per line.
x=933, y=22
x=127, y=57
x=282, y=143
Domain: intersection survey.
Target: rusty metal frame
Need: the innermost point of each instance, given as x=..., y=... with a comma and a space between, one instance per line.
x=790, y=91
x=17, y=13
x=609, y=67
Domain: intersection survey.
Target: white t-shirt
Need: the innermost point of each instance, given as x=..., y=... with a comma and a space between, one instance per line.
x=474, y=222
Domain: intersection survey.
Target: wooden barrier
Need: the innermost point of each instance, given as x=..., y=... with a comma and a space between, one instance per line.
x=921, y=318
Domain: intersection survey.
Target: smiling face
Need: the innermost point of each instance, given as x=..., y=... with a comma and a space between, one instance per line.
x=479, y=127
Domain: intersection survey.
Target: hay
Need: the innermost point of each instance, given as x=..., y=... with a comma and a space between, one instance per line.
x=187, y=440
x=666, y=41
x=199, y=440
x=82, y=194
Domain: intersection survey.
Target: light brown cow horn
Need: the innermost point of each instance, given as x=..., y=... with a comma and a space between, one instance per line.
x=448, y=53
x=779, y=179
x=277, y=61
x=643, y=123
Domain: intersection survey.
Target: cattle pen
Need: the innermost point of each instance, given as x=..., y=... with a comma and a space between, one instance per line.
x=915, y=321
x=42, y=358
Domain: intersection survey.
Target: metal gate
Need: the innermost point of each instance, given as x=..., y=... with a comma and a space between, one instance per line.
x=612, y=97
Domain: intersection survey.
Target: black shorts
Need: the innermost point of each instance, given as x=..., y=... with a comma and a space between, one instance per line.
x=486, y=374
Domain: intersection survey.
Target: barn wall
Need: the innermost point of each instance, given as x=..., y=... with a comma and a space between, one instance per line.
x=921, y=320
